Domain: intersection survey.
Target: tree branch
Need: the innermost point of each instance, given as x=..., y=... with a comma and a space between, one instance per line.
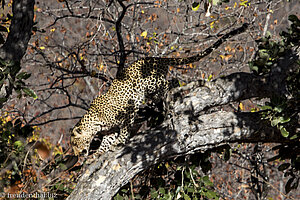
x=120, y=38
x=104, y=178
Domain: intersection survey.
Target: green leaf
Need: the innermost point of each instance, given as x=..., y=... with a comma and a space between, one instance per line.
x=190, y=190
x=268, y=34
x=254, y=68
x=275, y=121
x=284, y=132
x=124, y=190
x=215, y=2
x=161, y=190
x=118, y=197
x=279, y=108
x=3, y=100
x=284, y=119
x=211, y=194
x=186, y=197
x=206, y=181
x=263, y=53
x=62, y=166
x=29, y=92
x=23, y=75
x=195, y=6
x=294, y=137
x=59, y=186
x=265, y=107
x=153, y=194
x=269, y=64
x=18, y=144
x=284, y=166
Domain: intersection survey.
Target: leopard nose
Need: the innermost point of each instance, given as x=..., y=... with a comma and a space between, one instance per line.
x=84, y=152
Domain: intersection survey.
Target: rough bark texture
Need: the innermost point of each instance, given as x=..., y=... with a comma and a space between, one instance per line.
x=104, y=178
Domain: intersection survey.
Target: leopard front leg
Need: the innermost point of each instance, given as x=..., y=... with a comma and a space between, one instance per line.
x=124, y=131
x=122, y=138
x=107, y=144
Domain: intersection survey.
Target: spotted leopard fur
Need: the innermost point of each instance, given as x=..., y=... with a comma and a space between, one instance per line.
x=113, y=113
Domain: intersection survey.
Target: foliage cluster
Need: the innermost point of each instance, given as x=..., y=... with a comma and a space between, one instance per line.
x=269, y=51
x=282, y=111
x=177, y=179
x=29, y=162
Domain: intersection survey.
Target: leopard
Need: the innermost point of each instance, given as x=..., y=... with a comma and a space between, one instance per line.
x=111, y=115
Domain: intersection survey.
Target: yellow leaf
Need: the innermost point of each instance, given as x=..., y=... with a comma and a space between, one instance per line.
x=195, y=6
x=235, y=5
x=144, y=34
x=242, y=107
x=42, y=48
x=167, y=165
x=52, y=30
x=212, y=24
x=101, y=67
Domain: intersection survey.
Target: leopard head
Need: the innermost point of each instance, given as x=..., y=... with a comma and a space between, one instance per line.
x=80, y=141
x=85, y=130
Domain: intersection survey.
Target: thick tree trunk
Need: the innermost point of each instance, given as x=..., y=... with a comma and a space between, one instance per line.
x=19, y=31
x=16, y=44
